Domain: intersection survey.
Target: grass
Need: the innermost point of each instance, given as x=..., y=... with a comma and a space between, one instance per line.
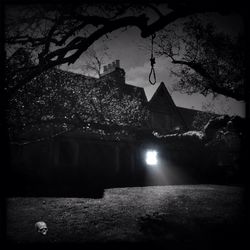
x=186, y=215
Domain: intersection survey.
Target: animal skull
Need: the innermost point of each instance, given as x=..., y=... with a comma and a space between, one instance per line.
x=41, y=227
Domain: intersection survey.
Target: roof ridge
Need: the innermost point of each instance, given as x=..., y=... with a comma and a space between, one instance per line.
x=74, y=73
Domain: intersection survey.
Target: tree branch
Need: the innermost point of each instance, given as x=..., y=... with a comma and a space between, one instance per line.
x=198, y=68
x=81, y=44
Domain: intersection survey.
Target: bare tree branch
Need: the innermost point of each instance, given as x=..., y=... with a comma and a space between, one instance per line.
x=71, y=22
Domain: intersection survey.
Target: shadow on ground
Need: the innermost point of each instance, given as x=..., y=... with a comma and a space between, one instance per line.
x=192, y=233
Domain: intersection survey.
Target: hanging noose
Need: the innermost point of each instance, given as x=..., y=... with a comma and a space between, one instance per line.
x=152, y=76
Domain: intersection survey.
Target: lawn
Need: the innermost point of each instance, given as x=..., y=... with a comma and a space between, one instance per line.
x=181, y=215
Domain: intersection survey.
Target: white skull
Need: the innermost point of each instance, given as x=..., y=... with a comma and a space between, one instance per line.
x=41, y=227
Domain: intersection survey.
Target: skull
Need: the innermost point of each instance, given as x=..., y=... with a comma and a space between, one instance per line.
x=41, y=227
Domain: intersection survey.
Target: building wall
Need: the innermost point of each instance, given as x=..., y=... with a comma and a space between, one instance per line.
x=68, y=165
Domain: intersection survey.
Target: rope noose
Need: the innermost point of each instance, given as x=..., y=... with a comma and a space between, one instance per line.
x=152, y=76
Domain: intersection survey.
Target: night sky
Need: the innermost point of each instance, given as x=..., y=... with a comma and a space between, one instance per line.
x=133, y=53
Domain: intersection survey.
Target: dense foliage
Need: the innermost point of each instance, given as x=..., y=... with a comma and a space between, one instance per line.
x=209, y=61
x=58, y=101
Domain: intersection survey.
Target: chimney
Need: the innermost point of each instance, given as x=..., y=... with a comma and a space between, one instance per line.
x=113, y=70
x=117, y=62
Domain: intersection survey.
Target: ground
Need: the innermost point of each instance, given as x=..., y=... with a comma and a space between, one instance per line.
x=180, y=215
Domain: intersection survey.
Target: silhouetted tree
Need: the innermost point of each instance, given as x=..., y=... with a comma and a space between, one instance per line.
x=201, y=119
x=58, y=101
x=210, y=61
x=57, y=34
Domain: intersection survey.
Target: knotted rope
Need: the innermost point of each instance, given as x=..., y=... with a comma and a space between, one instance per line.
x=152, y=76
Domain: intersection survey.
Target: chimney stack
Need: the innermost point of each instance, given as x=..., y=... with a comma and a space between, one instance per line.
x=117, y=73
x=114, y=71
x=117, y=63
x=111, y=67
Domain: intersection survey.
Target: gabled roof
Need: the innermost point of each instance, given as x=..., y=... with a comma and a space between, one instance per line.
x=162, y=91
x=162, y=100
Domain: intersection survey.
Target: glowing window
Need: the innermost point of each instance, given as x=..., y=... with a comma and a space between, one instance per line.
x=151, y=157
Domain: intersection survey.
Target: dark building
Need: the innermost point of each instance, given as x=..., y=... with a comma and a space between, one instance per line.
x=84, y=158
x=165, y=116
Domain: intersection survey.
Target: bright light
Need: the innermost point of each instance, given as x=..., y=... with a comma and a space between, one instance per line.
x=151, y=157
